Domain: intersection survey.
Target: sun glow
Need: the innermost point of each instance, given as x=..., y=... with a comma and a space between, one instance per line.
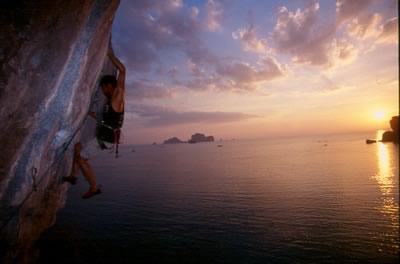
x=379, y=115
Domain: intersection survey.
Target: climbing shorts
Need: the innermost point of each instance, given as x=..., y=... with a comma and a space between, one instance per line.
x=92, y=148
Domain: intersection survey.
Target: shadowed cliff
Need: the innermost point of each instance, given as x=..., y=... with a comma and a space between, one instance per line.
x=52, y=54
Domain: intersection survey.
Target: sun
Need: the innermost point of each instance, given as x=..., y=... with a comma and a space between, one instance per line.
x=379, y=115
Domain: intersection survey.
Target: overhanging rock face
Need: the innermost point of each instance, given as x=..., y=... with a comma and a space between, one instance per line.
x=52, y=54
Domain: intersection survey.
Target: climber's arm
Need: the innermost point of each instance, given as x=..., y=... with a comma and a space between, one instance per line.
x=118, y=96
x=121, y=68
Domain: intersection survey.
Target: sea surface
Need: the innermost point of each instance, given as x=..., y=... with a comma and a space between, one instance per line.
x=310, y=200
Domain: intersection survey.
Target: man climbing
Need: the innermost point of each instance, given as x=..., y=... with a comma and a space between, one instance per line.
x=108, y=130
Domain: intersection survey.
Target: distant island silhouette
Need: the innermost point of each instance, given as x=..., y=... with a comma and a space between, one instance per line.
x=173, y=140
x=196, y=138
x=200, y=138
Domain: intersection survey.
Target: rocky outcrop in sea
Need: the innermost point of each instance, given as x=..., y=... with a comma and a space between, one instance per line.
x=173, y=140
x=198, y=137
x=392, y=136
x=389, y=136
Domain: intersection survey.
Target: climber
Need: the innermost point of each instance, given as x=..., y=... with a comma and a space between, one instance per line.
x=108, y=130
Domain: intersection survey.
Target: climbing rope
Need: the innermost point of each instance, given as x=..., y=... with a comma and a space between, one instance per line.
x=34, y=170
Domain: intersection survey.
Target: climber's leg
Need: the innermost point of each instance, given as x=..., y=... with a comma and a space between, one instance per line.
x=75, y=166
x=88, y=173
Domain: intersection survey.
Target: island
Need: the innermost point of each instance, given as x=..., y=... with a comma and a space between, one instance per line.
x=196, y=138
x=173, y=140
x=392, y=136
x=389, y=136
x=200, y=138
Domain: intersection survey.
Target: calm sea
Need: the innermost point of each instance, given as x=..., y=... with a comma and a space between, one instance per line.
x=309, y=200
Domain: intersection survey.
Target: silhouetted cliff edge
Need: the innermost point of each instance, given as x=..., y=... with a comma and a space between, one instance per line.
x=52, y=54
x=392, y=136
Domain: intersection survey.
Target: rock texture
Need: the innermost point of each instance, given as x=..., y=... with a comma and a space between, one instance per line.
x=52, y=54
x=392, y=136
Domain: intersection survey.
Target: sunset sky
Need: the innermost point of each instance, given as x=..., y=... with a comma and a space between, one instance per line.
x=257, y=69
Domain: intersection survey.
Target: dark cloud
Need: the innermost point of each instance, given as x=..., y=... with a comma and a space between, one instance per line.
x=159, y=116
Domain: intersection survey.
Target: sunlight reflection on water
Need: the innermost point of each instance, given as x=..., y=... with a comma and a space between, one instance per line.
x=386, y=178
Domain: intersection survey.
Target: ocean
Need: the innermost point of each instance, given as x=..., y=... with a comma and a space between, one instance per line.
x=307, y=200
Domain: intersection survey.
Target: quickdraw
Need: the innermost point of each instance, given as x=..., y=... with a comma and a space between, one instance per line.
x=34, y=172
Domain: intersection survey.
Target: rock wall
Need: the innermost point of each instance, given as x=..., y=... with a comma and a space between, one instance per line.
x=52, y=54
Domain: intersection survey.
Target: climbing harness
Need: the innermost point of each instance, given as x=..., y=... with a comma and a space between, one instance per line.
x=109, y=128
x=116, y=140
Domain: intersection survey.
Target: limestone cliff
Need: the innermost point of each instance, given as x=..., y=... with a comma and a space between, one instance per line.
x=52, y=54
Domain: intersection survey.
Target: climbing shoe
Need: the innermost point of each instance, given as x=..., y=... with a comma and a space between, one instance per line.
x=90, y=193
x=71, y=179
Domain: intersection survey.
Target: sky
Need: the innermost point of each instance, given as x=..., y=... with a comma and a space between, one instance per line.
x=257, y=69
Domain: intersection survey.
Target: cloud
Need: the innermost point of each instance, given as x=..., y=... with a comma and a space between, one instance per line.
x=349, y=9
x=342, y=52
x=158, y=116
x=153, y=37
x=244, y=74
x=195, y=69
x=364, y=26
x=146, y=89
x=146, y=29
x=299, y=34
x=249, y=39
x=173, y=72
x=235, y=76
x=389, y=31
x=215, y=13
